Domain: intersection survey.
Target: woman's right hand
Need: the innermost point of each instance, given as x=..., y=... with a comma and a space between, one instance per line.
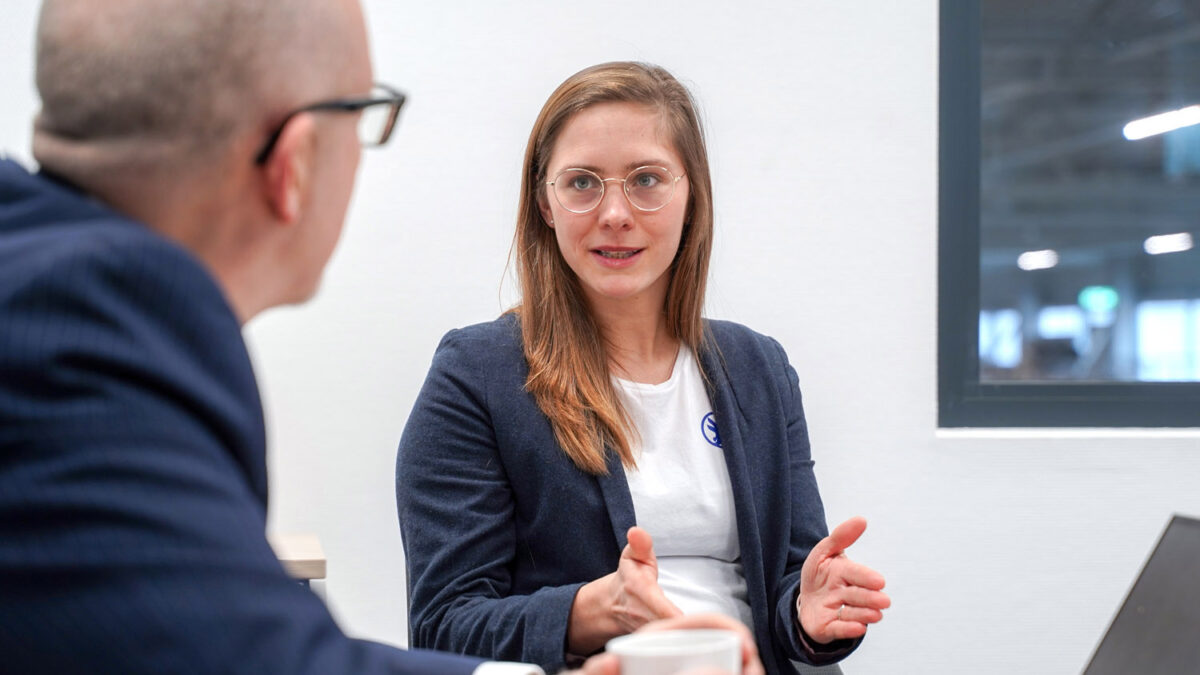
x=621, y=602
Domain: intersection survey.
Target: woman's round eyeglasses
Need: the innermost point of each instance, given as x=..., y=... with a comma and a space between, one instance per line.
x=648, y=188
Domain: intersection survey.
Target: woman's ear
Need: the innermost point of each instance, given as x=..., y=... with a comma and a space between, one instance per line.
x=288, y=169
x=546, y=214
x=544, y=207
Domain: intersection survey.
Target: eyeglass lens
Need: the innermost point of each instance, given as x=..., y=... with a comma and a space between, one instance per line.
x=375, y=123
x=649, y=188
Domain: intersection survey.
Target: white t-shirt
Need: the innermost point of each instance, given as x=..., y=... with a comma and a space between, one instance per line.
x=681, y=492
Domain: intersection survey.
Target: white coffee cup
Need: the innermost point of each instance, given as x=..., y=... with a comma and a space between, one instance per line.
x=670, y=652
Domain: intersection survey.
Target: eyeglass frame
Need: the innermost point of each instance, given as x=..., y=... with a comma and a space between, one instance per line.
x=624, y=189
x=395, y=99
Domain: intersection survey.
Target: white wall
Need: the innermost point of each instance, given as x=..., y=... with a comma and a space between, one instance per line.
x=1003, y=551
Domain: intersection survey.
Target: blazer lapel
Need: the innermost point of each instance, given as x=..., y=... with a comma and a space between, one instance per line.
x=730, y=423
x=615, y=489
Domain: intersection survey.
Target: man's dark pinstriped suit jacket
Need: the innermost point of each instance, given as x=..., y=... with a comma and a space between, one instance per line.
x=132, y=470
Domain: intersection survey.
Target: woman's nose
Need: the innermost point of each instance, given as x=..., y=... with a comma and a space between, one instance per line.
x=615, y=211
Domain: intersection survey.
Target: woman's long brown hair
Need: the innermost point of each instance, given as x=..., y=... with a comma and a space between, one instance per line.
x=568, y=365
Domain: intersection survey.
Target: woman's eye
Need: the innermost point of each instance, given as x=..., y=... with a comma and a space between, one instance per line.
x=646, y=180
x=583, y=183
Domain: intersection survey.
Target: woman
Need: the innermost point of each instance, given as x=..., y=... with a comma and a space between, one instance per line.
x=604, y=401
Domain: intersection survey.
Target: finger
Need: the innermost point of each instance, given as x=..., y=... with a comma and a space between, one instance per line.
x=660, y=606
x=863, y=597
x=600, y=664
x=842, y=537
x=751, y=664
x=841, y=630
x=856, y=574
x=640, y=550
x=863, y=615
x=640, y=547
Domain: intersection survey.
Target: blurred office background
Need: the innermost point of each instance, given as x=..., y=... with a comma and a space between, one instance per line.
x=1005, y=549
x=1090, y=190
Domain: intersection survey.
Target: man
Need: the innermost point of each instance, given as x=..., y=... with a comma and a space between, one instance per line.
x=197, y=158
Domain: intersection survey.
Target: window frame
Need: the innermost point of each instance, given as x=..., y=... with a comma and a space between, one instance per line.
x=964, y=401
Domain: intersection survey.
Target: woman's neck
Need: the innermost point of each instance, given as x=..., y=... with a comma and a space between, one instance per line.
x=640, y=346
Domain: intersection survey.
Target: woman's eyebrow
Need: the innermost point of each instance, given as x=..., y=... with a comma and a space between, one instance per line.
x=628, y=167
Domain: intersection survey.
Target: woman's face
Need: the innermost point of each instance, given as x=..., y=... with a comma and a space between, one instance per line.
x=622, y=255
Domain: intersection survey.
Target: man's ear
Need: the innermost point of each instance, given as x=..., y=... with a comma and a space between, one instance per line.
x=288, y=168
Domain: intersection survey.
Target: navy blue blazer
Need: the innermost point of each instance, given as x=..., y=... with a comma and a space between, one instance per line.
x=501, y=529
x=133, y=483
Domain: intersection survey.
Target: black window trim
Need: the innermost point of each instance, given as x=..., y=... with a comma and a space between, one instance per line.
x=963, y=401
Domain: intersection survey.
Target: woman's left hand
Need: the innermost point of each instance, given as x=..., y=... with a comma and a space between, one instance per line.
x=839, y=597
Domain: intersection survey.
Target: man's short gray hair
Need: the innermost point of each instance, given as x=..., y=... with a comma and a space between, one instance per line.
x=179, y=74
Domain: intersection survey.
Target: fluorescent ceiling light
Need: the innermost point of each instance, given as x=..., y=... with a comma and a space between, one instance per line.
x=1168, y=243
x=1037, y=260
x=1162, y=123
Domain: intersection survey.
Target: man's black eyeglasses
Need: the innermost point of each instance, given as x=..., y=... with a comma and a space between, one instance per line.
x=379, y=112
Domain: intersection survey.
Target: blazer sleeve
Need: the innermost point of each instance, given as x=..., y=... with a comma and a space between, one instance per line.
x=808, y=528
x=456, y=507
x=131, y=535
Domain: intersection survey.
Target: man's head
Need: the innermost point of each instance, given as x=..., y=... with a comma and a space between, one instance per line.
x=160, y=109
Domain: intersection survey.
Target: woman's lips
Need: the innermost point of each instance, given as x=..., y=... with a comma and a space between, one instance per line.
x=616, y=257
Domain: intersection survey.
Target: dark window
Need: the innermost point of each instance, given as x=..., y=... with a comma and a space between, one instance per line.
x=1069, y=282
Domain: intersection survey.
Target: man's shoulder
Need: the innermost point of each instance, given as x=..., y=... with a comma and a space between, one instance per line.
x=107, y=327
x=79, y=250
x=50, y=234
x=79, y=278
x=109, y=278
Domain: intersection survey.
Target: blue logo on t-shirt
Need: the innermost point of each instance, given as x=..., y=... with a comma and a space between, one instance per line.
x=708, y=427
